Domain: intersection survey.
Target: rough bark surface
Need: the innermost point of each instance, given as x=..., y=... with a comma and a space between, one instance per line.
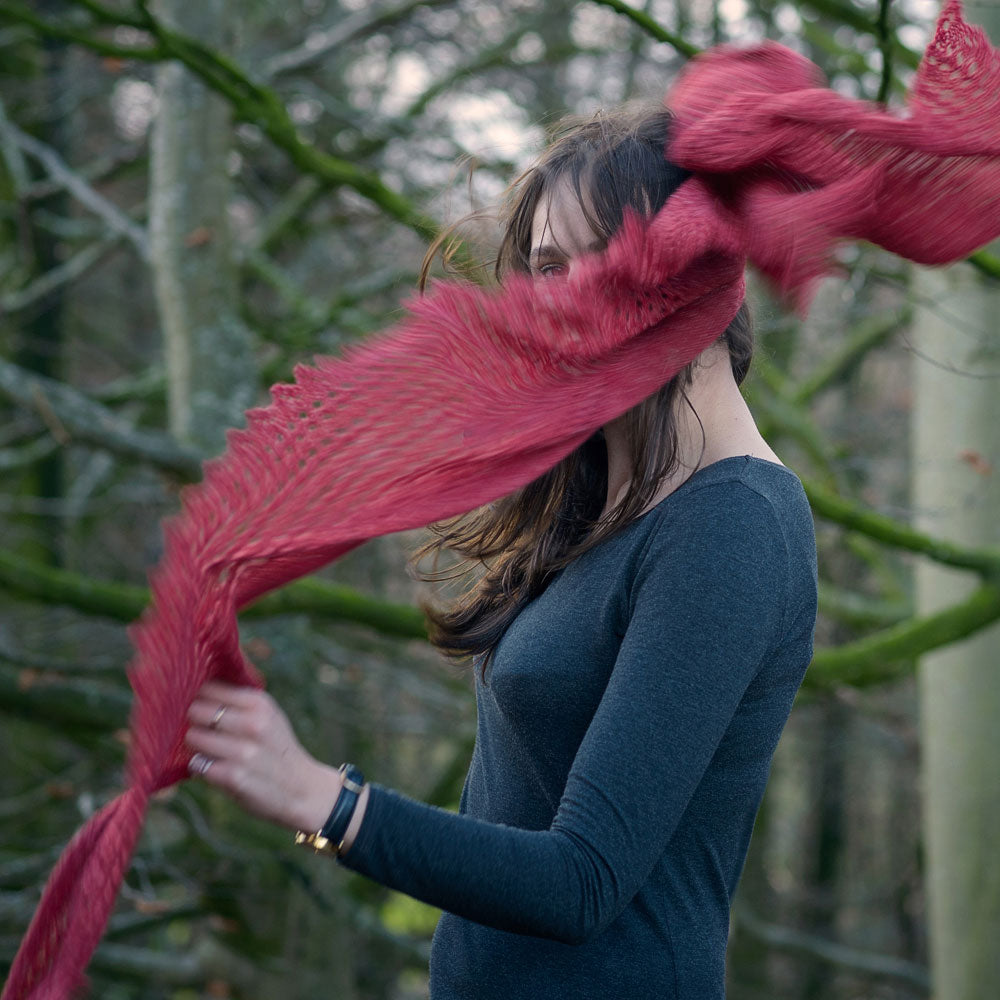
x=210, y=367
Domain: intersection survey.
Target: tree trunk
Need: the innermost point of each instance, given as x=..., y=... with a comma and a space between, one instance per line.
x=956, y=494
x=210, y=366
x=41, y=345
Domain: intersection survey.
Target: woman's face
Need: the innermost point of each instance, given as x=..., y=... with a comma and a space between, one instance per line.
x=560, y=232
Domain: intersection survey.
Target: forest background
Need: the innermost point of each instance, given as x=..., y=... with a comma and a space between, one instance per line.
x=194, y=197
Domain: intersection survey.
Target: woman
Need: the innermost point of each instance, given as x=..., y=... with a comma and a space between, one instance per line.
x=642, y=625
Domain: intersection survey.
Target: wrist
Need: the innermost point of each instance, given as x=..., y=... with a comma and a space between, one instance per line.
x=321, y=791
x=355, y=825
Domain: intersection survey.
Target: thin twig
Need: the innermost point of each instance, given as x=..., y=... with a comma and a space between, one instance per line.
x=348, y=29
x=70, y=270
x=651, y=27
x=52, y=29
x=869, y=333
x=11, y=153
x=114, y=218
x=885, y=45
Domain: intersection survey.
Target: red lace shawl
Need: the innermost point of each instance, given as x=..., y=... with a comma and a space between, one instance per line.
x=476, y=393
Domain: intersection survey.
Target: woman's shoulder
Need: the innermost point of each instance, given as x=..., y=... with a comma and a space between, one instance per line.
x=735, y=488
x=741, y=525
x=737, y=506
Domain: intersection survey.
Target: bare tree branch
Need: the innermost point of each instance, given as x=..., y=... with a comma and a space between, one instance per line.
x=885, y=38
x=852, y=515
x=101, y=168
x=289, y=209
x=71, y=415
x=845, y=12
x=70, y=701
x=11, y=152
x=29, y=869
x=256, y=103
x=124, y=602
x=870, y=332
x=495, y=55
x=35, y=451
x=251, y=102
x=778, y=415
x=191, y=967
x=116, y=220
x=14, y=656
x=986, y=263
x=70, y=270
x=889, y=654
x=28, y=801
x=861, y=610
x=651, y=27
x=348, y=29
x=148, y=384
x=52, y=29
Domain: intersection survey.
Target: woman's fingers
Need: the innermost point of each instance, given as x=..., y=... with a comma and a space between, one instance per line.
x=215, y=715
x=237, y=695
x=242, y=742
x=215, y=744
x=221, y=773
x=231, y=708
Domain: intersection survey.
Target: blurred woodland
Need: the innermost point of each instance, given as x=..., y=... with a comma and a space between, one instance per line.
x=195, y=195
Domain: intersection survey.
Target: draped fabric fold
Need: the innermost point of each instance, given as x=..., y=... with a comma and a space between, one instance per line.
x=475, y=393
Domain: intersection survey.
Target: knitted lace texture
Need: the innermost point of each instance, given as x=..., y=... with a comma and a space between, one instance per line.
x=475, y=393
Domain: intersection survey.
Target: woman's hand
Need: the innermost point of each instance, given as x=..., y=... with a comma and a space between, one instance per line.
x=245, y=745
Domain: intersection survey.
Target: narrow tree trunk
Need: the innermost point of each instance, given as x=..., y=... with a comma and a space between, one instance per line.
x=41, y=344
x=956, y=494
x=210, y=369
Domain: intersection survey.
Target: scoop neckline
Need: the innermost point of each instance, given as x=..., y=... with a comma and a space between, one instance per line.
x=745, y=459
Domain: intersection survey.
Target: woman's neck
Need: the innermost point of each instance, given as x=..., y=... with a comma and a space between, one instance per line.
x=723, y=427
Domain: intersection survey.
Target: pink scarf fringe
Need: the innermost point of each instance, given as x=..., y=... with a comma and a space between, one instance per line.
x=476, y=393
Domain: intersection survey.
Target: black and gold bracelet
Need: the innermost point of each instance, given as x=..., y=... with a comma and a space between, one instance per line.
x=330, y=839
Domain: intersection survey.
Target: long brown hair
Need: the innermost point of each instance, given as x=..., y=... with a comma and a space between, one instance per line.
x=512, y=548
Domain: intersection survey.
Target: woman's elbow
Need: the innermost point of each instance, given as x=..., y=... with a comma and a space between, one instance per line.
x=577, y=929
x=582, y=921
x=596, y=896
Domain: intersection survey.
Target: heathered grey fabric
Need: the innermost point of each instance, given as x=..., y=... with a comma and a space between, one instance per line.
x=625, y=734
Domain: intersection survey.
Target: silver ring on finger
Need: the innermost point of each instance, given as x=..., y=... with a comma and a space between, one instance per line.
x=217, y=718
x=200, y=763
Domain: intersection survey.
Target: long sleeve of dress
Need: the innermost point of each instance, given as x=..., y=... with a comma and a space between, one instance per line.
x=706, y=611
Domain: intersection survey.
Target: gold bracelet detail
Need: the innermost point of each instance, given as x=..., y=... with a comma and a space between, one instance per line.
x=319, y=843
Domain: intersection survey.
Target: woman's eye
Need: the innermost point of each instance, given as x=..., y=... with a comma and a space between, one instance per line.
x=551, y=270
